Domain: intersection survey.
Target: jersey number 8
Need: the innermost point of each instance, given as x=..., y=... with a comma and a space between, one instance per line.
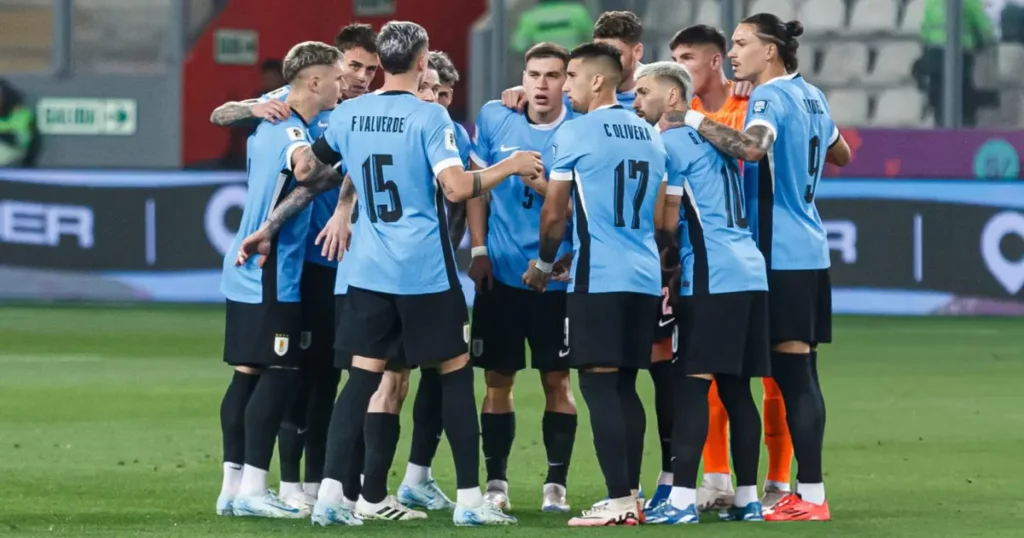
x=374, y=183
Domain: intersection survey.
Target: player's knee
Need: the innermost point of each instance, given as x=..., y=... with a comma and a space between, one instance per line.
x=452, y=365
x=793, y=347
x=249, y=370
x=499, y=380
x=390, y=395
x=558, y=392
x=706, y=377
x=370, y=365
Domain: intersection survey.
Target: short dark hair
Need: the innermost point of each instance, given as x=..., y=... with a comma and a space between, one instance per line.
x=770, y=28
x=608, y=54
x=308, y=54
x=356, y=35
x=624, y=25
x=548, y=50
x=272, y=64
x=398, y=45
x=699, y=34
x=446, y=72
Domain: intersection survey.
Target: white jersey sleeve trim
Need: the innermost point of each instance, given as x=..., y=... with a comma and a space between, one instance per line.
x=834, y=137
x=674, y=190
x=291, y=149
x=477, y=160
x=560, y=176
x=664, y=177
x=751, y=123
x=447, y=163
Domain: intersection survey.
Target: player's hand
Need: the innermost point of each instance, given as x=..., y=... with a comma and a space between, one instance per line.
x=256, y=244
x=561, y=271
x=535, y=279
x=514, y=98
x=482, y=273
x=336, y=237
x=527, y=164
x=742, y=89
x=272, y=110
x=538, y=183
x=672, y=272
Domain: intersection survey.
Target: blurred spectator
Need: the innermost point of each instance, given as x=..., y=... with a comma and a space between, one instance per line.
x=976, y=34
x=1008, y=18
x=19, y=141
x=271, y=76
x=557, y=21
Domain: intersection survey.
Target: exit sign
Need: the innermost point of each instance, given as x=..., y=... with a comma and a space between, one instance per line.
x=60, y=116
x=235, y=47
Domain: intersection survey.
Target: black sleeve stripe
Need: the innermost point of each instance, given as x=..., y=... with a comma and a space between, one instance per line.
x=324, y=153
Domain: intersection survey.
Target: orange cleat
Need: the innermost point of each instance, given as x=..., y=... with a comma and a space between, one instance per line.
x=793, y=508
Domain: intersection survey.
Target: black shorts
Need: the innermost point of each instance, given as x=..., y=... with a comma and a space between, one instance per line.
x=725, y=334
x=504, y=318
x=614, y=330
x=666, y=316
x=429, y=328
x=263, y=334
x=317, y=291
x=800, y=306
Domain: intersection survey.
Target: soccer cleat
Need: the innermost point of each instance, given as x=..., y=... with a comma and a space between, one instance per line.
x=224, y=505
x=389, y=510
x=485, y=514
x=266, y=505
x=554, y=499
x=609, y=513
x=664, y=513
x=660, y=494
x=326, y=514
x=772, y=495
x=750, y=512
x=793, y=508
x=604, y=501
x=710, y=497
x=497, y=494
x=425, y=495
x=301, y=500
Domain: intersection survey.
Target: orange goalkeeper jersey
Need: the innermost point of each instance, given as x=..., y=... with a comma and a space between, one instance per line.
x=733, y=113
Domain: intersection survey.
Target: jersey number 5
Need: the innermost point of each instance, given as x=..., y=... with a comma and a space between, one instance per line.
x=374, y=182
x=639, y=170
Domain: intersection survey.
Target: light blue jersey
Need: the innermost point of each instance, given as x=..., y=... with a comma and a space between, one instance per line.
x=617, y=163
x=270, y=179
x=624, y=98
x=790, y=233
x=394, y=145
x=323, y=205
x=465, y=145
x=513, y=222
x=717, y=250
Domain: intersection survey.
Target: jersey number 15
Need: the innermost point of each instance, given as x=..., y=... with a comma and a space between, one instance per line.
x=374, y=183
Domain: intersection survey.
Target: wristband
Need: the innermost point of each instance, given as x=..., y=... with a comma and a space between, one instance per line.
x=544, y=267
x=478, y=251
x=693, y=119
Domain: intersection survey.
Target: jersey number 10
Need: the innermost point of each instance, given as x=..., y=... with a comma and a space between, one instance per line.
x=639, y=170
x=374, y=183
x=735, y=204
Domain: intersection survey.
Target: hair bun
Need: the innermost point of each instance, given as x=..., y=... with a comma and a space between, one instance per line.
x=794, y=28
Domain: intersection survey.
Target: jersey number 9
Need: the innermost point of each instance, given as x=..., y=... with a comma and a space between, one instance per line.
x=639, y=170
x=374, y=183
x=813, y=169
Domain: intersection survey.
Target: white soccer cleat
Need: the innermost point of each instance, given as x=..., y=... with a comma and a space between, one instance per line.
x=613, y=512
x=426, y=494
x=485, y=514
x=554, y=499
x=497, y=495
x=301, y=500
x=266, y=505
x=710, y=497
x=772, y=496
x=326, y=514
x=389, y=510
x=224, y=505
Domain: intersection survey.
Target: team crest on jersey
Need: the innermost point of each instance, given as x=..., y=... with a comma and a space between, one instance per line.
x=465, y=332
x=478, y=347
x=449, y=140
x=281, y=344
x=305, y=339
x=554, y=150
x=295, y=134
x=760, y=107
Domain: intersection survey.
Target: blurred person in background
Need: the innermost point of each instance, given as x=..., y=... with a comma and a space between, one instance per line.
x=270, y=76
x=270, y=80
x=566, y=23
x=18, y=136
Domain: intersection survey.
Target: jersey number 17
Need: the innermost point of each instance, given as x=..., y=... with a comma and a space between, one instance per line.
x=638, y=170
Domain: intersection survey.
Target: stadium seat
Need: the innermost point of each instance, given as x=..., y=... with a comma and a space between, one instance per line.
x=843, y=63
x=874, y=16
x=895, y=62
x=663, y=18
x=900, y=107
x=1011, y=62
x=821, y=16
x=710, y=13
x=913, y=15
x=805, y=54
x=784, y=9
x=848, y=107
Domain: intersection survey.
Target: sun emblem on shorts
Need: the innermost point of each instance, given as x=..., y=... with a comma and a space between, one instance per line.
x=305, y=339
x=478, y=347
x=281, y=344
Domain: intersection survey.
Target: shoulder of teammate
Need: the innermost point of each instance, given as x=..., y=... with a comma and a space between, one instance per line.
x=327, y=148
x=280, y=94
x=463, y=142
x=563, y=150
x=284, y=138
x=438, y=135
x=490, y=116
x=764, y=108
x=687, y=150
x=832, y=127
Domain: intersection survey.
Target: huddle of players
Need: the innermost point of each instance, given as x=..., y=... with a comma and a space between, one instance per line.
x=406, y=300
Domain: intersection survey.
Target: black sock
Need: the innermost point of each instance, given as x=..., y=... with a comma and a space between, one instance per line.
x=460, y=425
x=691, y=428
x=264, y=413
x=744, y=427
x=346, y=431
x=559, y=437
x=607, y=420
x=817, y=382
x=352, y=478
x=426, y=419
x=805, y=412
x=382, y=431
x=661, y=375
x=636, y=424
x=232, y=415
x=321, y=402
x=498, y=431
x=290, y=443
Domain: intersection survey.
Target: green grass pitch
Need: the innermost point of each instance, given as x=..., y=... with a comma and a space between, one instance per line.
x=109, y=427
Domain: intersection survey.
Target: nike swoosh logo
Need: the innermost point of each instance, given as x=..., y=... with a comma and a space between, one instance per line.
x=564, y=353
x=662, y=323
x=324, y=125
x=505, y=148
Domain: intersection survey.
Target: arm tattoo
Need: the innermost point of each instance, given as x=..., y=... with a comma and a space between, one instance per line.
x=314, y=173
x=750, y=145
x=348, y=191
x=477, y=184
x=293, y=204
x=233, y=113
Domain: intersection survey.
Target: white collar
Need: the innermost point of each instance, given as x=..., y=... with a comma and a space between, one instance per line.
x=788, y=76
x=549, y=126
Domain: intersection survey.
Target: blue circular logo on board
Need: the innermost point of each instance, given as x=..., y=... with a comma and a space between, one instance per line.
x=996, y=159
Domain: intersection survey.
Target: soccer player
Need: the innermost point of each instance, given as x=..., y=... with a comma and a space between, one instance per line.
x=789, y=134
x=402, y=287
x=506, y=314
x=702, y=50
x=449, y=77
x=305, y=427
x=723, y=309
x=264, y=316
x=612, y=163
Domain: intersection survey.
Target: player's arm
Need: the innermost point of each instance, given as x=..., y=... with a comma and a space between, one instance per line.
x=250, y=111
x=750, y=145
x=839, y=152
x=314, y=176
x=552, y=222
x=460, y=185
x=476, y=216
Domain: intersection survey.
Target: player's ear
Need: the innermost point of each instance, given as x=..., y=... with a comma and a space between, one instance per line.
x=638, y=51
x=716, y=61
